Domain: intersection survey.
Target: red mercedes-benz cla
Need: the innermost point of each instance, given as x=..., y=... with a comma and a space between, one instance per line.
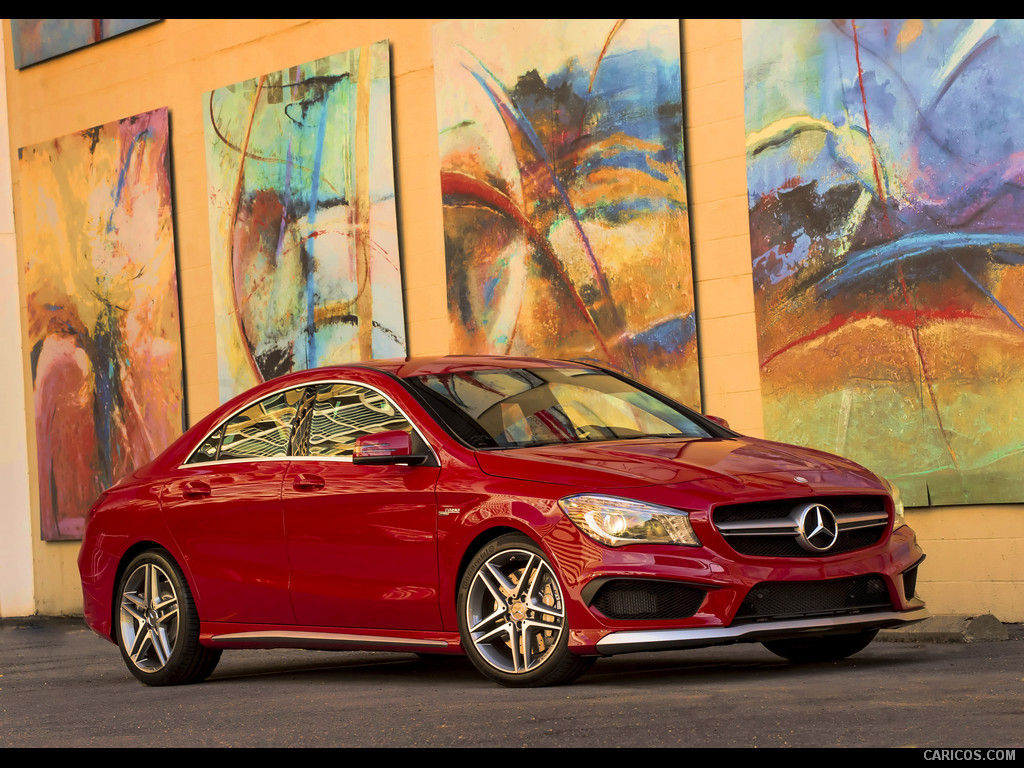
x=531, y=514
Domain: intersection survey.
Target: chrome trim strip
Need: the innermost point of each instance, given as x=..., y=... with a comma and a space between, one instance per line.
x=880, y=517
x=784, y=526
x=632, y=641
x=226, y=462
x=858, y=525
x=323, y=638
x=757, y=527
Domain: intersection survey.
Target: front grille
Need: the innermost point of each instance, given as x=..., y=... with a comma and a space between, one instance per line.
x=772, y=528
x=795, y=599
x=776, y=546
x=638, y=599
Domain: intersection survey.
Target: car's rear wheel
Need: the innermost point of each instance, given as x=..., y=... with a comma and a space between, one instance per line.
x=512, y=616
x=157, y=624
x=825, y=648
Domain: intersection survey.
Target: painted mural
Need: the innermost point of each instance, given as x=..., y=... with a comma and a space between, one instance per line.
x=36, y=40
x=303, y=231
x=885, y=165
x=565, y=214
x=103, y=322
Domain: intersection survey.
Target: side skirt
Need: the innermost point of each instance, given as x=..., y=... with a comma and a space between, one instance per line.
x=441, y=642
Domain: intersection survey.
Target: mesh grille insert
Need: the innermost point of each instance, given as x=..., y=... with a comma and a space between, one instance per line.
x=638, y=599
x=794, y=599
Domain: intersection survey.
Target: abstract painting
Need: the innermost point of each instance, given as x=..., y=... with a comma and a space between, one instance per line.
x=885, y=167
x=103, y=322
x=564, y=191
x=36, y=40
x=303, y=230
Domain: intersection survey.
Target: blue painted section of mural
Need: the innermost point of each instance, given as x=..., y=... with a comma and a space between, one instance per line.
x=885, y=168
x=36, y=40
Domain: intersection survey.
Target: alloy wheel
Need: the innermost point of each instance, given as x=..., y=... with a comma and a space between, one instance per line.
x=514, y=611
x=149, y=617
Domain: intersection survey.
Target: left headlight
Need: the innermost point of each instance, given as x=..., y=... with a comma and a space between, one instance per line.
x=618, y=522
x=899, y=517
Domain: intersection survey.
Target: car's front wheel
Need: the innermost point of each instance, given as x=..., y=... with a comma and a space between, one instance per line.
x=157, y=624
x=512, y=616
x=806, y=650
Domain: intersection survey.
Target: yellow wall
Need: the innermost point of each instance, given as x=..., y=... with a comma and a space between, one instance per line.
x=15, y=529
x=717, y=189
x=971, y=564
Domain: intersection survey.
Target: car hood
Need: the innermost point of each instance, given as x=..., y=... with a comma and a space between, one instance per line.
x=634, y=463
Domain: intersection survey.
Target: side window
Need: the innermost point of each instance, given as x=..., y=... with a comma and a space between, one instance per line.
x=344, y=412
x=262, y=430
x=207, y=450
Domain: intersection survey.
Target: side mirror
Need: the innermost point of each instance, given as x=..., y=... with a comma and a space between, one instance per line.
x=718, y=420
x=393, y=447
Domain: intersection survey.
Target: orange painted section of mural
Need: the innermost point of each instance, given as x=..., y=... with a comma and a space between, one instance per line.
x=103, y=322
x=565, y=211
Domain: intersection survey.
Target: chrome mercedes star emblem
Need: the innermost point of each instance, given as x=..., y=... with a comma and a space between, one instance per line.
x=818, y=529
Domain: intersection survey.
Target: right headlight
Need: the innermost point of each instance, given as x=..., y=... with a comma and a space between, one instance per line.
x=618, y=522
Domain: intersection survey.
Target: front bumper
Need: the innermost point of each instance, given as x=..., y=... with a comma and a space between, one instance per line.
x=741, y=598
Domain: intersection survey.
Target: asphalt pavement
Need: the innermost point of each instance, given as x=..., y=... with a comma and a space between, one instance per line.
x=62, y=686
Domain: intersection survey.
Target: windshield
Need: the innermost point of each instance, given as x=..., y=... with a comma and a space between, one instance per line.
x=541, y=406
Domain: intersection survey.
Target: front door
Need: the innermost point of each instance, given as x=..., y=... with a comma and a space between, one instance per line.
x=362, y=540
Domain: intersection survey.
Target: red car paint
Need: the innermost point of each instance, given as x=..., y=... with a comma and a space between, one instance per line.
x=311, y=552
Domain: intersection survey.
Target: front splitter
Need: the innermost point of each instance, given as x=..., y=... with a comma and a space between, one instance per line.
x=633, y=641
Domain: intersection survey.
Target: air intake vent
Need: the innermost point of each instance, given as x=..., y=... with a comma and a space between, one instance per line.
x=910, y=583
x=796, y=599
x=638, y=599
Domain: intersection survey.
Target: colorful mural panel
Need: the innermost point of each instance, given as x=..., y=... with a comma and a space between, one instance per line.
x=103, y=327
x=36, y=40
x=885, y=165
x=303, y=231
x=565, y=211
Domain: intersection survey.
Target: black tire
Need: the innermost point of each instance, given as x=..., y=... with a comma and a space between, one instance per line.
x=157, y=624
x=808, y=650
x=512, y=618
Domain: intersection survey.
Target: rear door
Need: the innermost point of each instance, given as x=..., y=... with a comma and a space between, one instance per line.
x=224, y=511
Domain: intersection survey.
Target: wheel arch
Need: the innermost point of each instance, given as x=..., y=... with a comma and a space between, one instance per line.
x=533, y=516
x=480, y=541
